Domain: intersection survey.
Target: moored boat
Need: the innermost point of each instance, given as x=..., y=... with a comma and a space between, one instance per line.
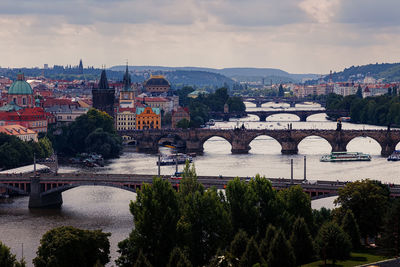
x=395, y=156
x=173, y=158
x=345, y=156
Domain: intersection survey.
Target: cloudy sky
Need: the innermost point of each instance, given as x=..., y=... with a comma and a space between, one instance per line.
x=299, y=36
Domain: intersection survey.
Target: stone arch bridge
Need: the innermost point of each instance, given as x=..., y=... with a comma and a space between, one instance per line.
x=194, y=139
x=264, y=114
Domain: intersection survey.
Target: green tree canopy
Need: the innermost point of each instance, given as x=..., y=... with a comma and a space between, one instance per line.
x=302, y=242
x=358, y=195
x=281, y=252
x=391, y=233
x=7, y=259
x=90, y=132
x=155, y=213
x=69, y=246
x=350, y=227
x=333, y=243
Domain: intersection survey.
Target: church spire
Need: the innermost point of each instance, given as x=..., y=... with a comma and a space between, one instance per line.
x=103, y=83
x=127, y=80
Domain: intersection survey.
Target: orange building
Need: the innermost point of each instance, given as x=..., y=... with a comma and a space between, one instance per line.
x=148, y=118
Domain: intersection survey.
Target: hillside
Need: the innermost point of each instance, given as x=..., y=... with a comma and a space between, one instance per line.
x=388, y=72
x=237, y=74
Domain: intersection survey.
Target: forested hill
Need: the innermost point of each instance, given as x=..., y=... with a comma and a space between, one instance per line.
x=389, y=72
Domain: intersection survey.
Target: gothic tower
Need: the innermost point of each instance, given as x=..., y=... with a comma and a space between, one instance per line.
x=127, y=95
x=104, y=96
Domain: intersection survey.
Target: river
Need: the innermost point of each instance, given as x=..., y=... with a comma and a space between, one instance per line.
x=108, y=208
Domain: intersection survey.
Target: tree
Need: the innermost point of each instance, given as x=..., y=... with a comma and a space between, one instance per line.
x=239, y=244
x=367, y=200
x=142, y=261
x=391, y=233
x=350, y=227
x=281, y=92
x=204, y=225
x=281, y=252
x=268, y=206
x=359, y=91
x=69, y=246
x=7, y=259
x=107, y=144
x=242, y=205
x=155, y=215
x=321, y=216
x=74, y=138
x=183, y=124
x=297, y=204
x=333, y=243
x=178, y=259
x=301, y=242
x=267, y=240
x=251, y=255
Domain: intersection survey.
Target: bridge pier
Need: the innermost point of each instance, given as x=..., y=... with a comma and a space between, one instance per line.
x=263, y=118
x=387, y=149
x=289, y=147
x=239, y=146
x=292, y=104
x=38, y=200
x=303, y=117
x=259, y=104
x=194, y=147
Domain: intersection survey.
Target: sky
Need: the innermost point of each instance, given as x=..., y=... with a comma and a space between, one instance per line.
x=298, y=36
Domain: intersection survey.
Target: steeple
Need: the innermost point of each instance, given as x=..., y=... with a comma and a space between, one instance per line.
x=127, y=80
x=80, y=67
x=103, y=83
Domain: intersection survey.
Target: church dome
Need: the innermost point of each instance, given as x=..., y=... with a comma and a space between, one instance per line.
x=157, y=80
x=20, y=87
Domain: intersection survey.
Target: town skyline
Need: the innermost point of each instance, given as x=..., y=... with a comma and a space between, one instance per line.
x=307, y=36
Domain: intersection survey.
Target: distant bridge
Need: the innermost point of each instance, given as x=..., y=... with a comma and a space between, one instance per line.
x=240, y=139
x=303, y=114
x=46, y=190
x=292, y=101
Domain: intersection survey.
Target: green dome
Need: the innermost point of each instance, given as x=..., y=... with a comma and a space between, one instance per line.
x=20, y=88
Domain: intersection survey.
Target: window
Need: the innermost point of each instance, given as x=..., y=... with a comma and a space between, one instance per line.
x=24, y=101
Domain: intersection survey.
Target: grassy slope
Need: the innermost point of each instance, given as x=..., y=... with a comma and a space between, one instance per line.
x=355, y=260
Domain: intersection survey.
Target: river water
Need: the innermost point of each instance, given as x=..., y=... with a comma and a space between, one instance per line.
x=108, y=208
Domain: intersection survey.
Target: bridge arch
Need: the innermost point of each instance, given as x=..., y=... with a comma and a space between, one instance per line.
x=260, y=144
x=323, y=147
x=60, y=189
x=166, y=138
x=374, y=147
x=284, y=113
x=207, y=138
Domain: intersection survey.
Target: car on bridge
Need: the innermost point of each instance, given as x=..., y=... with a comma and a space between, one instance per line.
x=176, y=176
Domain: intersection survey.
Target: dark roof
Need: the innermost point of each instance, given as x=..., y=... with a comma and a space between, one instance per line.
x=103, y=83
x=157, y=81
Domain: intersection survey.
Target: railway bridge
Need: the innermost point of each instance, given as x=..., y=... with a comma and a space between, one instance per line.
x=45, y=190
x=240, y=139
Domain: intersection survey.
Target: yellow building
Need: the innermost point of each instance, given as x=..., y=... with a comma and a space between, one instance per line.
x=148, y=118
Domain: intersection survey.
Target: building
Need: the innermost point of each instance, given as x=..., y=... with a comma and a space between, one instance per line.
x=21, y=93
x=104, y=96
x=35, y=119
x=179, y=114
x=127, y=94
x=157, y=84
x=148, y=118
x=19, y=131
x=164, y=104
x=126, y=119
x=66, y=113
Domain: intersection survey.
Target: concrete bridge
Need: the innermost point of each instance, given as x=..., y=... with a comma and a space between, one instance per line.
x=194, y=139
x=292, y=101
x=45, y=190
